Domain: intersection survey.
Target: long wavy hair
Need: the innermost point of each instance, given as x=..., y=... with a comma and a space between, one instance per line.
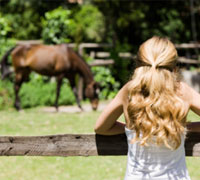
x=155, y=108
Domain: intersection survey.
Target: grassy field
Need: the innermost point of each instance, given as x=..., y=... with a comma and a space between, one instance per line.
x=36, y=122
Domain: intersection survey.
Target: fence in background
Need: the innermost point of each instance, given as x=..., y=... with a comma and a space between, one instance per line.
x=103, y=58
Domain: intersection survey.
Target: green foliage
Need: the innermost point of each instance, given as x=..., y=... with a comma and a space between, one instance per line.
x=6, y=94
x=61, y=26
x=24, y=16
x=24, y=25
x=122, y=69
x=5, y=27
x=90, y=25
x=138, y=21
x=109, y=86
x=6, y=44
x=170, y=24
x=37, y=92
x=58, y=26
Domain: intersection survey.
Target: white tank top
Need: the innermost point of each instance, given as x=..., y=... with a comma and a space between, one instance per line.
x=155, y=162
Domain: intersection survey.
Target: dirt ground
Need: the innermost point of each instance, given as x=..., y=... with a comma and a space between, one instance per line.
x=75, y=108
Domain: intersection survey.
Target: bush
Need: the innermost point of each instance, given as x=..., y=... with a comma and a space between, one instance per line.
x=90, y=24
x=37, y=92
x=6, y=94
x=109, y=86
x=24, y=25
x=5, y=27
x=122, y=69
x=40, y=93
x=61, y=26
x=6, y=44
x=58, y=26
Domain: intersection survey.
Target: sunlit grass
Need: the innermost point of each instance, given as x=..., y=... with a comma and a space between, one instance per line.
x=35, y=122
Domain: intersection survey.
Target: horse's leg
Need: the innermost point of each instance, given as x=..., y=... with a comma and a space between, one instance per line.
x=59, y=83
x=17, y=85
x=20, y=77
x=73, y=85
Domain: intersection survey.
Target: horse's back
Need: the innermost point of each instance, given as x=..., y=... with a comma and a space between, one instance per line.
x=45, y=59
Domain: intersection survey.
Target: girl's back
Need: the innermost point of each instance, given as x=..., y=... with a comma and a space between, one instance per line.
x=155, y=104
x=154, y=162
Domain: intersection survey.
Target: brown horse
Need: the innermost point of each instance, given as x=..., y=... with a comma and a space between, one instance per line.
x=50, y=60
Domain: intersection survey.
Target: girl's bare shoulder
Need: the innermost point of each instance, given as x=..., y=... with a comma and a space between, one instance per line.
x=187, y=93
x=125, y=90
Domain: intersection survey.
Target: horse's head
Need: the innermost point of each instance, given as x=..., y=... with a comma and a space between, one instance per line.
x=91, y=92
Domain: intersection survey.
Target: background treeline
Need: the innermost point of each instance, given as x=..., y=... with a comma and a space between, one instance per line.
x=124, y=24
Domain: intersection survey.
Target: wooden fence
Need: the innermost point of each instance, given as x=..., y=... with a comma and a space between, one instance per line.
x=78, y=145
x=126, y=55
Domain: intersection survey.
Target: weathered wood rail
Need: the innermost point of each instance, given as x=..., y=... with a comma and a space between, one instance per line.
x=78, y=145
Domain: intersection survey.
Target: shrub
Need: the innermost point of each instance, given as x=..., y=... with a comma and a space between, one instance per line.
x=37, y=92
x=61, y=26
x=6, y=44
x=24, y=25
x=5, y=27
x=6, y=94
x=57, y=26
x=90, y=24
x=122, y=69
x=109, y=86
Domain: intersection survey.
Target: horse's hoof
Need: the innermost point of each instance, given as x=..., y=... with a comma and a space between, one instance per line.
x=82, y=110
x=17, y=107
x=57, y=109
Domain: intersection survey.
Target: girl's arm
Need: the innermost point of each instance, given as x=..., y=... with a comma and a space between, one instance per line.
x=107, y=123
x=194, y=101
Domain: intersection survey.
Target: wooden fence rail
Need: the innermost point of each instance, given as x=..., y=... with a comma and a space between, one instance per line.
x=125, y=55
x=78, y=145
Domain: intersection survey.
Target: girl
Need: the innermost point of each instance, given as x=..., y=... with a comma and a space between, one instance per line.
x=155, y=105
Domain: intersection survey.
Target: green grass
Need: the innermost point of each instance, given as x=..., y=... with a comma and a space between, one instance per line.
x=35, y=122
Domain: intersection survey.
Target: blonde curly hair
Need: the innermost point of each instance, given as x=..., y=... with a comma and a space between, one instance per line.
x=155, y=108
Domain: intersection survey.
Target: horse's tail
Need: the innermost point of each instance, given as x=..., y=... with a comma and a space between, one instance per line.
x=4, y=64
